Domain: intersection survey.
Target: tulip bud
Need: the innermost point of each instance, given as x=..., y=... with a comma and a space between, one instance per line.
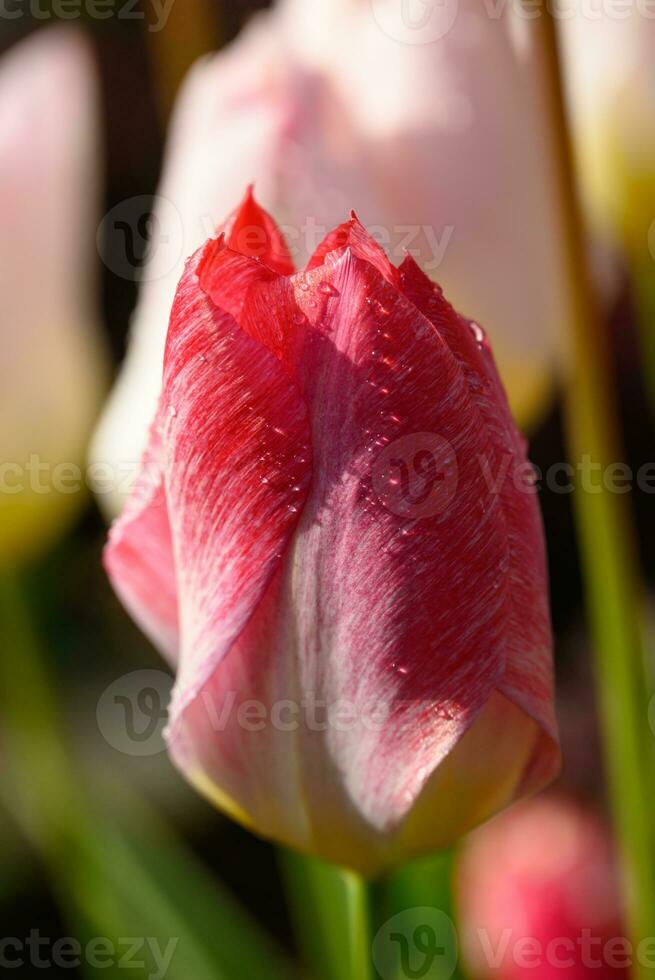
x=52, y=365
x=334, y=539
x=539, y=895
x=325, y=106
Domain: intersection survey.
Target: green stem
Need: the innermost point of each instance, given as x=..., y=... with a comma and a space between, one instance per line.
x=416, y=902
x=329, y=908
x=607, y=545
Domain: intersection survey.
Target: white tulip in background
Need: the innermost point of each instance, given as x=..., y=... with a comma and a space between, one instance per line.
x=52, y=364
x=435, y=131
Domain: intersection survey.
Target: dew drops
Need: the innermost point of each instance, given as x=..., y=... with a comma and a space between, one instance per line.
x=328, y=289
x=477, y=332
x=299, y=318
x=172, y=411
x=292, y=509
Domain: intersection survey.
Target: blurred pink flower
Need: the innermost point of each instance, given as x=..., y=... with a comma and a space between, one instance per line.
x=442, y=148
x=52, y=367
x=539, y=896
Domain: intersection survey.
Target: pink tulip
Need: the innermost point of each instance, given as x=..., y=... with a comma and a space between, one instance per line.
x=539, y=897
x=333, y=541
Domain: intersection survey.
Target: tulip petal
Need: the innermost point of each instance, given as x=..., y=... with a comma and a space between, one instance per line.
x=528, y=679
x=352, y=234
x=251, y=231
x=226, y=276
x=232, y=445
x=139, y=554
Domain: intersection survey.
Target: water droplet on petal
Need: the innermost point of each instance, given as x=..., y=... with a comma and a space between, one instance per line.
x=477, y=331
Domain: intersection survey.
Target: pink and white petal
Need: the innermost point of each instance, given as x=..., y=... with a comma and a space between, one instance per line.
x=231, y=450
x=237, y=469
x=528, y=679
x=400, y=610
x=139, y=554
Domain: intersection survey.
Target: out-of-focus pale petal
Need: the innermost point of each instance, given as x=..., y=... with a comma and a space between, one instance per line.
x=610, y=71
x=52, y=365
x=460, y=159
x=325, y=111
x=225, y=133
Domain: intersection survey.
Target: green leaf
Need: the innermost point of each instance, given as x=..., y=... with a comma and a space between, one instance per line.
x=112, y=880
